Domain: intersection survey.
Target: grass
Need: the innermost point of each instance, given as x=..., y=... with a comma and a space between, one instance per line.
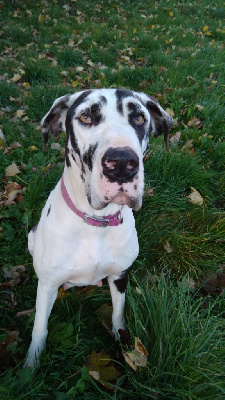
x=175, y=52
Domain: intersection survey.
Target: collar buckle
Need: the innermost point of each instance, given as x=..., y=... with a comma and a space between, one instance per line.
x=91, y=220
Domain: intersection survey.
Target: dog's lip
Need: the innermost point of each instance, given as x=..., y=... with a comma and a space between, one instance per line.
x=121, y=199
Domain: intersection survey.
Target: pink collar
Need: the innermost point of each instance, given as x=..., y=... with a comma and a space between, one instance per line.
x=110, y=220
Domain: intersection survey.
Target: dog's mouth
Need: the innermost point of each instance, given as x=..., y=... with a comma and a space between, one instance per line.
x=123, y=199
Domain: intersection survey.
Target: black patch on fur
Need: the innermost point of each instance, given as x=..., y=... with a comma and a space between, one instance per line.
x=68, y=163
x=121, y=283
x=88, y=156
x=96, y=116
x=103, y=99
x=134, y=111
x=48, y=211
x=69, y=121
x=120, y=95
x=34, y=228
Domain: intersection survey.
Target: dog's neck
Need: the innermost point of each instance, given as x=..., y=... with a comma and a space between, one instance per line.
x=76, y=189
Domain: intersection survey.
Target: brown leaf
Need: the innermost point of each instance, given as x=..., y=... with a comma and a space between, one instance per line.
x=12, y=170
x=14, y=274
x=175, y=138
x=137, y=357
x=194, y=121
x=26, y=313
x=149, y=192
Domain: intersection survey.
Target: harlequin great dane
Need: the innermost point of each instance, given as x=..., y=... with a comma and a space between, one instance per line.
x=86, y=231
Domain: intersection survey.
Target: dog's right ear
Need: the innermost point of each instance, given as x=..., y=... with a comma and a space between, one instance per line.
x=55, y=118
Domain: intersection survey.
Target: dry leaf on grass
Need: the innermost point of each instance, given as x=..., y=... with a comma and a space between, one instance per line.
x=137, y=357
x=14, y=274
x=167, y=247
x=101, y=368
x=195, y=197
x=12, y=170
x=26, y=313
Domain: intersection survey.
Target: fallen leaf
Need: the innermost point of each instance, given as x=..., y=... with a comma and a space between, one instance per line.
x=194, y=121
x=137, y=357
x=195, y=197
x=170, y=112
x=105, y=316
x=175, y=138
x=33, y=148
x=16, y=78
x=12, y=170
x=14, y=274
x=149, y=192
x=101, y=368
x=167, y=247
x=20, y=113
x=95, y=375
x=26, y=313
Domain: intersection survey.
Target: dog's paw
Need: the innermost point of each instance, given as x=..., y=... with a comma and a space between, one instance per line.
x=125, y=337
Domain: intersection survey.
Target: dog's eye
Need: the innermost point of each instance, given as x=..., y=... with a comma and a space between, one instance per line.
x=139, y=120
x=85, y=119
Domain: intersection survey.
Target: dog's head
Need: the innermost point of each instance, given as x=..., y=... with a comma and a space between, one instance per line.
x=108, y=132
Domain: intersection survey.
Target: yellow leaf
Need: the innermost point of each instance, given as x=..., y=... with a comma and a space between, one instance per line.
x=75, y=83
x=195, y=197
x=33, y=148
x=12, y=170
x=171, y=13
x=41, y=19
x=205, y=28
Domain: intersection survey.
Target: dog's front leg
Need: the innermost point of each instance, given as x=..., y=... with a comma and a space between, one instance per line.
x=118, y=286
x=46, y=296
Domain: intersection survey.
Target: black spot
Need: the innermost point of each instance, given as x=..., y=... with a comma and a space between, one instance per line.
x=135, y=187
x=121, y=283
x=121, y=189
x=106, y=198
x=101, y=175
x=120, y=95
x=48, y=211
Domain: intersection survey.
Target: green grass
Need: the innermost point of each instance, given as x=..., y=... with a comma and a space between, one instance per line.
x=174, y=51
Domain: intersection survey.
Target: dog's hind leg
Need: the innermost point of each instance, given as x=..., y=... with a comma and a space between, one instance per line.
x=46, y=296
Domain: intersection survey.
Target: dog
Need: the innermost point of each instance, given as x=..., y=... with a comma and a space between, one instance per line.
x=87, y=230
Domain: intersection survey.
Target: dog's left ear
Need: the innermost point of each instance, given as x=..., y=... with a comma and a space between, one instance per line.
x=54, y=120
x=161, y=122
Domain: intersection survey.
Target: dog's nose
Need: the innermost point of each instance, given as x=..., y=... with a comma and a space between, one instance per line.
x=120, y=164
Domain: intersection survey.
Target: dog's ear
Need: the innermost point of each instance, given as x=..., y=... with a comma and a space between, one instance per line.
x=54, y=120
x=161, y=122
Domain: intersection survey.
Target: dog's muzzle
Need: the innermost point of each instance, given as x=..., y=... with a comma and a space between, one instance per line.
x=120, y=164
